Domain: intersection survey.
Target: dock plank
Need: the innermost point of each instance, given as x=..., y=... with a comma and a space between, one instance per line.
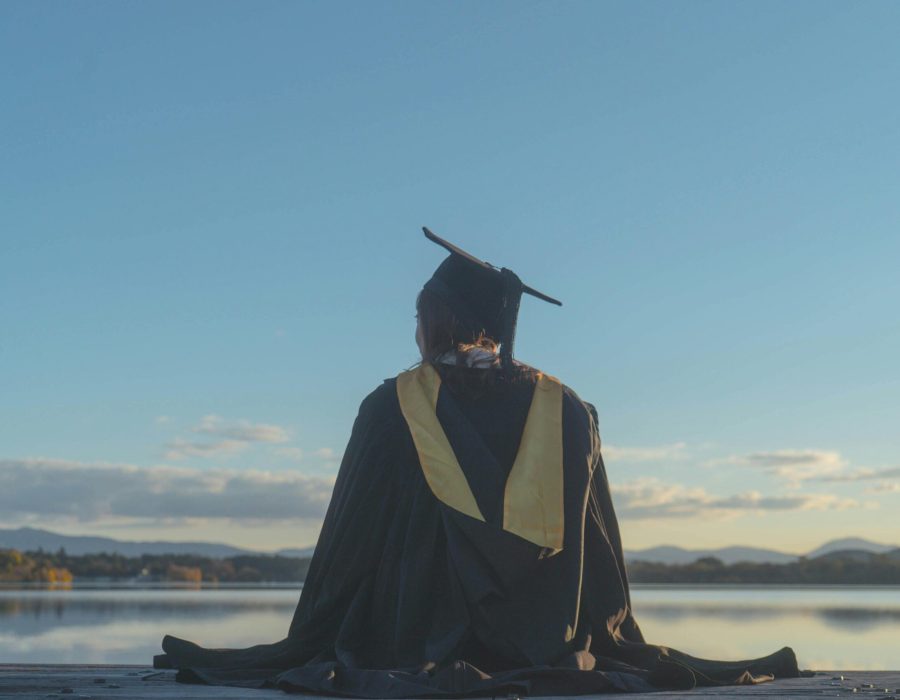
x=81, y=682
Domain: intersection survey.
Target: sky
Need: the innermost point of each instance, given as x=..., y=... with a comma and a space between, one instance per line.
x=210, y=249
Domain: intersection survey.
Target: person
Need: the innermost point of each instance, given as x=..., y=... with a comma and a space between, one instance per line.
x=471, y=545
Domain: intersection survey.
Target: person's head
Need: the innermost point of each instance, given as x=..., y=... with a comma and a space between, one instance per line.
x=468, y=304
x=439, y=330
x=461, y=305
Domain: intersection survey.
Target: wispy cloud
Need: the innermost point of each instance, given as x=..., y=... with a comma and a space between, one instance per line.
x=615, y=453
x=241, y=430
x=884, y=487
x=791, y=465
x=866, y=474
x=294, y=453
x=181, y=449
x=90, y=491
x=328, y=455
x=225, y=438
x=887, y=479
x=652, y=498
x=802, y=467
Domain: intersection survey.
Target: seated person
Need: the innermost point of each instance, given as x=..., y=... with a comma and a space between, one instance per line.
x=470, y=546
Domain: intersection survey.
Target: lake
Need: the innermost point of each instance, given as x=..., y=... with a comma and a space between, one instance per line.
x=829, y=628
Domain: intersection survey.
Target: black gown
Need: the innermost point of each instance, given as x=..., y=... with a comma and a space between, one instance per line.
x=408, y=597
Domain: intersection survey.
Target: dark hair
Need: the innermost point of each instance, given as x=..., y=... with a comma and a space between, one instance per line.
x=443, y=332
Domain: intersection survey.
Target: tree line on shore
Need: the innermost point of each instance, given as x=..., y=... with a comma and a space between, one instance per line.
x=62, y=568
x=835, y=569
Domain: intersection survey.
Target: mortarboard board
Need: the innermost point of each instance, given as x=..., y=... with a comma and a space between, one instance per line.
x=481, y=296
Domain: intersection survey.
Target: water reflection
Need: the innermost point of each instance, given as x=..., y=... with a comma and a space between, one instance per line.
x=849, y=619
x=837, y=628
x=126, y=626
x=830, y=628
x=99, y=606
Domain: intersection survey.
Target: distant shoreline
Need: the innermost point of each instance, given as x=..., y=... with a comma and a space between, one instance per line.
x=183, y=571
x=298, y=586
x=147, y=586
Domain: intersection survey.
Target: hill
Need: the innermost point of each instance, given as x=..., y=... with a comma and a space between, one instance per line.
x=851, y=543
x=27, y=539
x=668, y=554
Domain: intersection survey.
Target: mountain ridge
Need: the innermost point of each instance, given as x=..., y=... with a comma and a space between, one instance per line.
x=31, y=539
x=671, y=554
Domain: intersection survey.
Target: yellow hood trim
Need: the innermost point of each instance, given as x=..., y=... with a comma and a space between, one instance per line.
x=533, y=498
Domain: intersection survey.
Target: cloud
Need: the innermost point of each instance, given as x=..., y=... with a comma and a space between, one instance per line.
x=796, y=467
x=652, y=498
x=180, y=449
x=294, y=453
x=91, y=491
x=242, y=430
x=232, y=437
x=866, y=474
x=884, y=487
x=614, y=453
x=792, y=466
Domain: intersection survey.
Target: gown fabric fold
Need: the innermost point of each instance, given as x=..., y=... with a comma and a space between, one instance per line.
x=408, y=598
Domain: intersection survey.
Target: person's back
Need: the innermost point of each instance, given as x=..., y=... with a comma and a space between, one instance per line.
x=496, y=409
x=470, y=545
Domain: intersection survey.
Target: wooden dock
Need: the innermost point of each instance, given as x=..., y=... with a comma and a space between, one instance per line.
x=64, y=682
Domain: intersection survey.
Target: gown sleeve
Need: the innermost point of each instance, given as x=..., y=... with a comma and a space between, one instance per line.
x=602, y=527
x=354, y=531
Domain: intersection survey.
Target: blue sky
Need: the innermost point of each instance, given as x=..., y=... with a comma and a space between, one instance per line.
x=210, y=250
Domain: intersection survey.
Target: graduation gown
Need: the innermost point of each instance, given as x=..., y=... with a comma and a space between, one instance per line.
x=470, y=548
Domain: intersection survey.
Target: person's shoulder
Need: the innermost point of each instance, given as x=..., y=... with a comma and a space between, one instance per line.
x=382, y=403
x=378, y=414
x=580, y=404
x=581, y=413
x=382, y=399
x=571, y=399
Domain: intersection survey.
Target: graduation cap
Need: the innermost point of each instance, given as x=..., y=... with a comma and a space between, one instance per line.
x=481, y=296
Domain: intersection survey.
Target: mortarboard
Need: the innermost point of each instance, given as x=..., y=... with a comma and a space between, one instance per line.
x=481, y=296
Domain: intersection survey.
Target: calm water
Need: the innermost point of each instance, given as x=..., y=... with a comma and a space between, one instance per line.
x=830, y=628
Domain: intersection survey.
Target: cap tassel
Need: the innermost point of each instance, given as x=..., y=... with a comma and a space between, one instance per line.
x=512, y=296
